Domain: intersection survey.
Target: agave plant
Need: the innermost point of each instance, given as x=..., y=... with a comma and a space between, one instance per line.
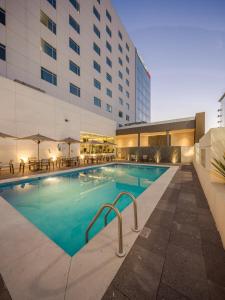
x=219, y=166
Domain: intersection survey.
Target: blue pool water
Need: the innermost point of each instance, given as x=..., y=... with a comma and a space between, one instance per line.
x=62, y=206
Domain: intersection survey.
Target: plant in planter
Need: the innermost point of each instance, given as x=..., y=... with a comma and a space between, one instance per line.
x=219, y=166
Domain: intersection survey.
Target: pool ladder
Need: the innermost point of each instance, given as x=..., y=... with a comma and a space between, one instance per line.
x=120, y=252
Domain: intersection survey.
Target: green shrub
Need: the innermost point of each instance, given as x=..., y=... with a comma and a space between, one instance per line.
x=219, y=166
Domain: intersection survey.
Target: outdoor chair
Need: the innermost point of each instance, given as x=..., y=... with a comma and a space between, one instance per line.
x=72, y=161
x=145, y=158
x=32, y=163
x=45, y=163
x=8, y=166
x=22, y=166
x=133, y=157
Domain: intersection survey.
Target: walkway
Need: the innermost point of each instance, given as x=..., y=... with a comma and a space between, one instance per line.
x=179, y=254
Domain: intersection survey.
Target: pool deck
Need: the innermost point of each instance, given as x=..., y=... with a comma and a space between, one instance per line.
x=179, y=253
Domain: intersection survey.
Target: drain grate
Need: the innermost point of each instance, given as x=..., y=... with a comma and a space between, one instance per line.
x=145, y=232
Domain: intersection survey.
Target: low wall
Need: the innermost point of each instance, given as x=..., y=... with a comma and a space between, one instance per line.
x=215, y=194
x=212, y=145
x=165, y=153
x=174, y=154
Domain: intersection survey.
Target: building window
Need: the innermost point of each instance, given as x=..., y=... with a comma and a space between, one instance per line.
x=73, y=45
x=108, y=46
x=127, y=94
x=121, y=101
x=74, y=68
x=97, y=49
x=127, y=58
x=120, y=114
x=109, y=93
x=75, y=4
x=97, y=84
x=109, y=77
x=128, y=106
x=127, y=82
x=74, y=24
x=120, y=35
x=96, y=31
x=108, y=31
x=120, y=75
x=109, y=62
x=48, y=76
x=2, y=16
x=127, y=118
x=108, y=108
x=99, y=2
x=120, y=88
x=120, y=48
x=97, y=102
x=48, y=49
x=2, y=52
x=120, y=61
x=75, y=90
x=45, y=20
x=96, y=13
x=96, y=66
x=127, y=70
x=108, y=16
x=127, y=47
x=52, y=2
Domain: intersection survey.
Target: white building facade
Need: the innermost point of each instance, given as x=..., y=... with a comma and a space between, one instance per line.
x=77, y=51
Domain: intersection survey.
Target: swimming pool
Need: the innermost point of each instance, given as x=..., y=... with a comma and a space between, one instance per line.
x=63, y=205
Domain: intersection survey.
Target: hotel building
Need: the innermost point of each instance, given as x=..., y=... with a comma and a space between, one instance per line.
x=67, y=68
x=76, y=51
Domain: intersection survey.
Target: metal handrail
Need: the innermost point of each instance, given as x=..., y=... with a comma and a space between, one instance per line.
x=134, y=205
x=120, y=251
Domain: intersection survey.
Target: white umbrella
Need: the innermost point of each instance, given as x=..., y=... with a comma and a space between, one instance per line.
x=69, y=141
x=38, y=138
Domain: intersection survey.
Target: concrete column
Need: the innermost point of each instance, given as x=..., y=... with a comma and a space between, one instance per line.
x=139, y=139
x=167, y=138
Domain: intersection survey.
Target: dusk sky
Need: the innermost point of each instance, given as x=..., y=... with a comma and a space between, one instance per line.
x=182, y=43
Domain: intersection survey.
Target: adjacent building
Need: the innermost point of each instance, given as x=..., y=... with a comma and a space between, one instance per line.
x=143, y=95
x=221, y=112
x=166, y=141
x=76, y=51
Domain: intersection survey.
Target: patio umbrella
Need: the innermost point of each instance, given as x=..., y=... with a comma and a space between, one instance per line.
x=69, y=141
x=5, y=135
x=37, y=138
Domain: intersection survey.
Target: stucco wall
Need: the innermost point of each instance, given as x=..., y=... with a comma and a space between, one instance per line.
x=185, y=139
x=25, y=111
x=130, y=140
x=212, y=145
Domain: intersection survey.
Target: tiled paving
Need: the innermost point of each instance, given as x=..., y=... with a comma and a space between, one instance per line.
x=179, y=254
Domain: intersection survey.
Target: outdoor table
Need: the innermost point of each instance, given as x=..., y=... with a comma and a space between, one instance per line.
x=34, y=165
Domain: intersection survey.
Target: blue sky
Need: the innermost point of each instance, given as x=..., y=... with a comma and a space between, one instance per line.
x=182, y=42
